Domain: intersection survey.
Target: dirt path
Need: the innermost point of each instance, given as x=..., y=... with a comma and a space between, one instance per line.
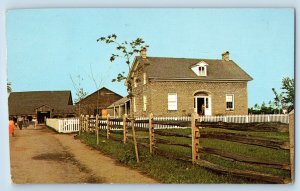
x=42, y=156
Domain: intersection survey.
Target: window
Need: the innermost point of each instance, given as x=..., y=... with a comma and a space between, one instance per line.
x=145, y=78
x=172, y=101
x=202, y=70
x=145, y=103
x=134, y=82
x=230, y=102
x=134, y=104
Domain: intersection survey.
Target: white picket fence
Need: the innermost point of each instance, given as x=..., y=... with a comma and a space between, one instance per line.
x=66, y=125
x=70, y=125
x=283, y=118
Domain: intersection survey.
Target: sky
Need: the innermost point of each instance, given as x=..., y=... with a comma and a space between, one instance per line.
x=47, y=46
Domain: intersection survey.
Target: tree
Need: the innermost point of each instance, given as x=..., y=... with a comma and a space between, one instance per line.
x=80, y=93
x=278, y=100
x=9, y=88
x=288, y=87
x=126, y=51
x=286, y=99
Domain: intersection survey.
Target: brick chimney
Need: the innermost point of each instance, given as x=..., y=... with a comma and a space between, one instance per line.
x=225, y=56
x=143, y=53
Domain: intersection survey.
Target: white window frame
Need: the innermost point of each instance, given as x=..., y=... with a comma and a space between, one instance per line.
x=172, y=104
x=202, y=72
x=196, y=68
x=227, y=95
x=134, y=82
x=134, y=104
x=145, y=78
x=144, y=103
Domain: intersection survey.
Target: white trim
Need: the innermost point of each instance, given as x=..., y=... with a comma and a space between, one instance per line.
x=134, y=82
x=144, y=103
x=229, y=95
x=208, y=111
x=196, y=68
x=172, y=104
x=145, y=78
x=134, y=104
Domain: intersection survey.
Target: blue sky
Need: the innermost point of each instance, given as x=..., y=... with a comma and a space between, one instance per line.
x=46, y=46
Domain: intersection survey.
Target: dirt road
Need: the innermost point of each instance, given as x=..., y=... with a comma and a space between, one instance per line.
x=43, y=156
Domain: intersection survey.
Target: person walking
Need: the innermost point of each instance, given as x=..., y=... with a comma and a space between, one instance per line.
x=20, y=122
x=11, y=126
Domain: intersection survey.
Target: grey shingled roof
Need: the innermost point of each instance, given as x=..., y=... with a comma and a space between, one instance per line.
x=180, y=69
x=22, y=103
x=119, y=102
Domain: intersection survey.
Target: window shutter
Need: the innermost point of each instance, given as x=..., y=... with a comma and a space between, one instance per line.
x=172, y=101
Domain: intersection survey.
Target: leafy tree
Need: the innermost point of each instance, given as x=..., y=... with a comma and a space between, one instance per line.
x=9, y=88
x=126, y=51
x=278, y=100
x=288, y=87
x=286, y=99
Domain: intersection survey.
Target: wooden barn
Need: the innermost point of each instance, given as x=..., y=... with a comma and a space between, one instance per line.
x=97, y=102
x=41, y=104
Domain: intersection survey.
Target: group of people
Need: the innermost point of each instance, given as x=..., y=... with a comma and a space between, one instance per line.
x=19, y=122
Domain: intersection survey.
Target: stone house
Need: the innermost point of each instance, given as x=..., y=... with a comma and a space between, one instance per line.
x=98, y=102
x=41, y=104
x=180, y=86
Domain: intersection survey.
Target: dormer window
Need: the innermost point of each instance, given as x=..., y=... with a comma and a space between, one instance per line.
x=200, y=68
x=202, y=71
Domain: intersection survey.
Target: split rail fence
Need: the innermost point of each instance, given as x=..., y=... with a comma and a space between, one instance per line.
x=152, y=132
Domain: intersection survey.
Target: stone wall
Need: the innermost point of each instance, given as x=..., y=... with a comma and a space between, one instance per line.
x=157, y=97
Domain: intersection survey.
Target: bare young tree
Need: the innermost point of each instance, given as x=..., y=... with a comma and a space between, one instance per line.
x=80, y=93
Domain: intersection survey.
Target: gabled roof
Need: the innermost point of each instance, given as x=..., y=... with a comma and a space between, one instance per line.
x=162, y=68
x=103, y=89
x=21, y=103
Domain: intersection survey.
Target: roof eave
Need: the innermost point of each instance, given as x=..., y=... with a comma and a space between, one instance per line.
x=195, y=79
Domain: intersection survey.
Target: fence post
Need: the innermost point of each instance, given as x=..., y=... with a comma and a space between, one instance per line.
x=195, y=139
x=97, y=128
x=292, y=143
x=125, y=128
x=79, y=124
x=107, y=126
x=151, y=133
x=134, y=141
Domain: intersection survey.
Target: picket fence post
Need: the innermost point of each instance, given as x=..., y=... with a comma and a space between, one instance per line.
x=125, y=128
x=97, y=128
x=195, y=139
x=151, y=133
x=107, y=127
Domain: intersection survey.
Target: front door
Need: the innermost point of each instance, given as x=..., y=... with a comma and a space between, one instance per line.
x=203, y=105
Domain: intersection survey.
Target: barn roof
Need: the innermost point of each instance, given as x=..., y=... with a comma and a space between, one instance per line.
x=164, y=68
x=25, y=103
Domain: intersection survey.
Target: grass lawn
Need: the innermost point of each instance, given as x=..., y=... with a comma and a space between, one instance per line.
x=174, y=171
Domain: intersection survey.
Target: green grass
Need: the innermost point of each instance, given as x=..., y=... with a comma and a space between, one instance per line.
x=160, y=168
x=174, y=171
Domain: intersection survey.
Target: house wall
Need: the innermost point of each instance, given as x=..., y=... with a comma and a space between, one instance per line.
x=157, y=97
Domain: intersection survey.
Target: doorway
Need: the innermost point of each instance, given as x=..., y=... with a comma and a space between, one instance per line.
x=41, y=116
x=202, y=103
x=200, y=106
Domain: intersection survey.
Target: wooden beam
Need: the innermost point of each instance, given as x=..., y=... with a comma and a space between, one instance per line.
x=243, y=173
x=151, y=133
